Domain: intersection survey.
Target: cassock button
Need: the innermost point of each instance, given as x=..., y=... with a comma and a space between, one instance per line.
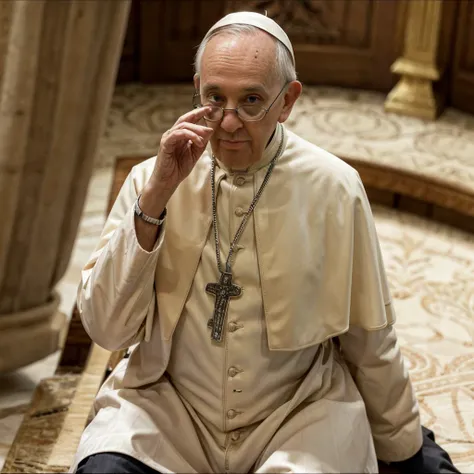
x=239, y=212
x=240, y=181
x=232, y=372
x=233, y=327
x=231, y=414
x=235, y=436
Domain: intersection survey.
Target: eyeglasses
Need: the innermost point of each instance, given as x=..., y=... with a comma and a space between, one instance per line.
x=246, y=113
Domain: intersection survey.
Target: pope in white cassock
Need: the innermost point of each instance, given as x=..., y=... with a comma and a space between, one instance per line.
x=248, y=278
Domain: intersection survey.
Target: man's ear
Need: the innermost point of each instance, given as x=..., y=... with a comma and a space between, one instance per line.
x=294, y=91
x=197, y=81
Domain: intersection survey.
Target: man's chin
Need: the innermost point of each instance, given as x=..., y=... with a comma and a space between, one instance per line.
x=236, y=159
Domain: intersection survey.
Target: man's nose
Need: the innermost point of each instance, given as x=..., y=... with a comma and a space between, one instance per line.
x=231, y=121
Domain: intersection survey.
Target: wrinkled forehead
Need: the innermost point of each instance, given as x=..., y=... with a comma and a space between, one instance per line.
x=249, y=56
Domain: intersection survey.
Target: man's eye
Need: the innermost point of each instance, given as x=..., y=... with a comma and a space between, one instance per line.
x=215, y=99
x=252, y=99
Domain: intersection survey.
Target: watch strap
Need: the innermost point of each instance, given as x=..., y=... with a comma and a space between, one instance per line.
x=150, y=220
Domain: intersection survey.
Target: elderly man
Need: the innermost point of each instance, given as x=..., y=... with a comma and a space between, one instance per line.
x=250, y=282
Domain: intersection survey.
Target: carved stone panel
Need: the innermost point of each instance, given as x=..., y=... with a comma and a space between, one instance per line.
x=336, y=42
x=462, y=81
x=466, y=57
x=302, y=19
x=170, y=30
x=341, y=22
x=343, y=42
x=129, y=59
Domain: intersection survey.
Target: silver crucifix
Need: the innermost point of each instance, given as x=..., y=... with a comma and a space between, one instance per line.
x=223, y=291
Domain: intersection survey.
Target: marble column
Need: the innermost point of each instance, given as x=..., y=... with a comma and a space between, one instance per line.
x=414, y=94
x=58, y=63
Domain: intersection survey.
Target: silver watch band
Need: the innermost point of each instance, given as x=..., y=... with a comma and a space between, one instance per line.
x=150, y=220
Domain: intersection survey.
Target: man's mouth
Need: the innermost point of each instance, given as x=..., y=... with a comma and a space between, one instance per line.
x=232, y=143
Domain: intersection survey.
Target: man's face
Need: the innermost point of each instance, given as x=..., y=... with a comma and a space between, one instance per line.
x=239, y=71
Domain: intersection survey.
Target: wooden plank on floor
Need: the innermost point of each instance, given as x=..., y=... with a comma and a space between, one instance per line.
x=78, y=413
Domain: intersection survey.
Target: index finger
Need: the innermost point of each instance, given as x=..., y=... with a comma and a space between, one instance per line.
x=194, y=116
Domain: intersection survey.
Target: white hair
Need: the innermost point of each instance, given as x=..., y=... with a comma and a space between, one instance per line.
x=284, y=66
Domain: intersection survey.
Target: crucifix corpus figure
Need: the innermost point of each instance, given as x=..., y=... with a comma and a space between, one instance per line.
x=302, y=371
x=223, y=291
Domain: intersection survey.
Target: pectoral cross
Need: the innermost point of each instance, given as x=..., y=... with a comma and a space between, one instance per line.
x=223, y=291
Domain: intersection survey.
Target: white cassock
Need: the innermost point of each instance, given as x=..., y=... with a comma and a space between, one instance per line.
x=281, y=393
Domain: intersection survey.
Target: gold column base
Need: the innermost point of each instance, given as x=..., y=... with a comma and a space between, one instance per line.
x=414, y=96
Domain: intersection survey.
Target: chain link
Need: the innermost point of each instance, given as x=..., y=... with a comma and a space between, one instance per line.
x=247, y=215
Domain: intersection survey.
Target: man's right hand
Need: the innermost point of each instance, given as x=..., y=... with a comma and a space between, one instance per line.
x=180, y=149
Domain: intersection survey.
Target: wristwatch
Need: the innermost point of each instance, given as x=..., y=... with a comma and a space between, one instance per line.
x=150, y=220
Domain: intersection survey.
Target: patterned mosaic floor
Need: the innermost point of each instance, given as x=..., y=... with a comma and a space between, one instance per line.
x=430, y=266
x=431, y=272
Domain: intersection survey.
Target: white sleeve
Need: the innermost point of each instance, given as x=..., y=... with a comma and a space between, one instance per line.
x=380, y=373
x=116, y=298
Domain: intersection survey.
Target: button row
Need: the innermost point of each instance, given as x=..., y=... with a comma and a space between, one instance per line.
x=233, y=371
x=239, y=212
x=233, y=326
x=240, y=181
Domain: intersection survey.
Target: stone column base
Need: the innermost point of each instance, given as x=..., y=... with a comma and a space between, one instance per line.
x=31, y=335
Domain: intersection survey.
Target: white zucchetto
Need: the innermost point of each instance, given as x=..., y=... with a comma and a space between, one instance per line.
x=258, y=20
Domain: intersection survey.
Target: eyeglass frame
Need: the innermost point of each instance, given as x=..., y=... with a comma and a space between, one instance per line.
x=236, y=109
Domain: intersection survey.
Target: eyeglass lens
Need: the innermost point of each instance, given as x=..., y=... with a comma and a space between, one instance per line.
x=245, y=112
